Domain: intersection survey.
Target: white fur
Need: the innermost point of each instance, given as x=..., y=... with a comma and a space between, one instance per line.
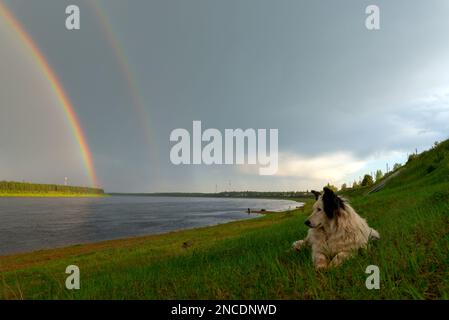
x=334, y=240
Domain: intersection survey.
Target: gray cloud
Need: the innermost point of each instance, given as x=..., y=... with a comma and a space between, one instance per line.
x=308, y=68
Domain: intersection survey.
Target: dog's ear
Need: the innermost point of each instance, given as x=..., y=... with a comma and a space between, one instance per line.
x=331, y=203
x=316, y=194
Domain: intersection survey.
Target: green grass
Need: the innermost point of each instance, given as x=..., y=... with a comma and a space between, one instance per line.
x=252, y=259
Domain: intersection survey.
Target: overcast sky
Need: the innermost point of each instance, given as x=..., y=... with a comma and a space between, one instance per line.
x=346, y=100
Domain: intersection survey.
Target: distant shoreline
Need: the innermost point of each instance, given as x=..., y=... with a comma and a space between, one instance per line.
x=293, y=196
x=52, y=195
x=13, y=189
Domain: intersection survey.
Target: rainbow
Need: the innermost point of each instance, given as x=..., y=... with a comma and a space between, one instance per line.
x=129, y=76
x=56, y=87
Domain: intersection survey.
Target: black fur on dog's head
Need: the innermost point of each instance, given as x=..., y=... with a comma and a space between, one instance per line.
x=332, y=203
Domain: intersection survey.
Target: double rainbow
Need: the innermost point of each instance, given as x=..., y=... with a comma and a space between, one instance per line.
x=57, y=88
x=128, y=74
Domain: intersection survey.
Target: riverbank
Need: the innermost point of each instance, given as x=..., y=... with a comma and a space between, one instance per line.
x=253, y=259
x=29, y=224
x=40, y=273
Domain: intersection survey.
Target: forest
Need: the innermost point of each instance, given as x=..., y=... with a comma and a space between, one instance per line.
x=11, y=187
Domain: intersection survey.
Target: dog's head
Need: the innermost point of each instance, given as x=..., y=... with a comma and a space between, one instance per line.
x=325, y=209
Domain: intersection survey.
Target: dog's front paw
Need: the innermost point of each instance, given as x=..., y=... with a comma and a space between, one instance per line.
x=297, y=245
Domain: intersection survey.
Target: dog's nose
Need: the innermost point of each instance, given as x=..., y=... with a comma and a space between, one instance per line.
x=307, y=223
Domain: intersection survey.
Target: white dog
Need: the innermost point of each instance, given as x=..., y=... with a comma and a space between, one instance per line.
x=336, y=230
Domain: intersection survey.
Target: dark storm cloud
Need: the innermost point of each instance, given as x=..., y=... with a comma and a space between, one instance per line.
x=309, y=68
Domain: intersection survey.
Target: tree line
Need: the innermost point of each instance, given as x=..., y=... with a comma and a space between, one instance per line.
x=369, y=179
x=25, y=187
x=228, y=194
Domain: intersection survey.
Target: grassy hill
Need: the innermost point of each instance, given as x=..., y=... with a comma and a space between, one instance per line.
x=252, y=259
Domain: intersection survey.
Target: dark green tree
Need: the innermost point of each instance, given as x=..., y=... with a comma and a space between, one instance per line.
x=367, y=180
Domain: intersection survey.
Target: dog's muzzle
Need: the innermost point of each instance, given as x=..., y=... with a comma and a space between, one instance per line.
x=307, y=223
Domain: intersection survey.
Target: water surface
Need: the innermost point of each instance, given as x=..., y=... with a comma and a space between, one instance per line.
x=28, y=224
